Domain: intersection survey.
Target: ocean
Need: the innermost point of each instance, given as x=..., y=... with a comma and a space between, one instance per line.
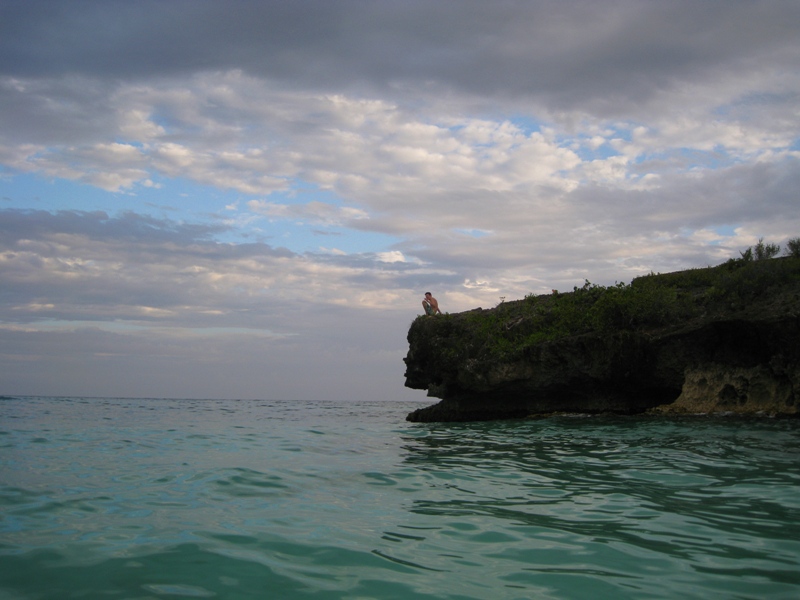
x=232, y=499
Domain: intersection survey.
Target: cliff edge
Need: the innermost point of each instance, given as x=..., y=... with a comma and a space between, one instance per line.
x=720, y=339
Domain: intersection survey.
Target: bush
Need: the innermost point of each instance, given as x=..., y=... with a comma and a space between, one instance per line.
x=651, y=302
x=764, y=251
x=793, y=248
x=761, y=251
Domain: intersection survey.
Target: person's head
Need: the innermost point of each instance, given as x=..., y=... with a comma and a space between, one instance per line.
x=427, y=294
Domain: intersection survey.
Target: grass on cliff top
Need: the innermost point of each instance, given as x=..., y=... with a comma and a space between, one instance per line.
x=650, y=303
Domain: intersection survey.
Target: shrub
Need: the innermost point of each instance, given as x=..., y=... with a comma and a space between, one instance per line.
x=793, y=248
x=747, y=255
x=652, y=301
x=764, y=251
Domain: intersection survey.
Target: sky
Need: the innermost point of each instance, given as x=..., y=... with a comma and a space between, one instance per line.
x=248, y=199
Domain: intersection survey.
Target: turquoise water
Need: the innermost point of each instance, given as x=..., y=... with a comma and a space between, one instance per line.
x=150, y=499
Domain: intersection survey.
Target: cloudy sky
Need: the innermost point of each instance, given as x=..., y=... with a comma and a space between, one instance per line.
x=248, y=199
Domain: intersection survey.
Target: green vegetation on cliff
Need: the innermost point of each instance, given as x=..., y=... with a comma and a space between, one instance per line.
x=653, y=303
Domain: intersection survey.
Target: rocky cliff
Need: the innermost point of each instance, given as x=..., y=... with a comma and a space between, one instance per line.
x=722, y=339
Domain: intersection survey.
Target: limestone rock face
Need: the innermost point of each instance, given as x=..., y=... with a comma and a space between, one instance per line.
x=715, y=388
x=745, y=360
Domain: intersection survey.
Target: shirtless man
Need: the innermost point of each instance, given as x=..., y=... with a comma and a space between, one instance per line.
x=430, y=305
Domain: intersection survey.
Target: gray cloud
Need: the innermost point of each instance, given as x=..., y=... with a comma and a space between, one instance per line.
x=604, y=57
x=91, y=303
x=93, y=268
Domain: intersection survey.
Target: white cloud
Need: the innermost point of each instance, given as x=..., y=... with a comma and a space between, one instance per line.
x=334, y=251
x=314, y=212
x=393, y=256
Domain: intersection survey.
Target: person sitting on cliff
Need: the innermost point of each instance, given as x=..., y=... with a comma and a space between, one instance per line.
x=430, y=305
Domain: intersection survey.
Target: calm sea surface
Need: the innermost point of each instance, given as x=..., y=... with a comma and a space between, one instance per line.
x=152, y=498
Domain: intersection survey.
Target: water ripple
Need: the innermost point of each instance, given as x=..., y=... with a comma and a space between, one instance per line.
x=159, y=499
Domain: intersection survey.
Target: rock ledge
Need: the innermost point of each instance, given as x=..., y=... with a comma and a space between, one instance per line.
x=726, y=341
